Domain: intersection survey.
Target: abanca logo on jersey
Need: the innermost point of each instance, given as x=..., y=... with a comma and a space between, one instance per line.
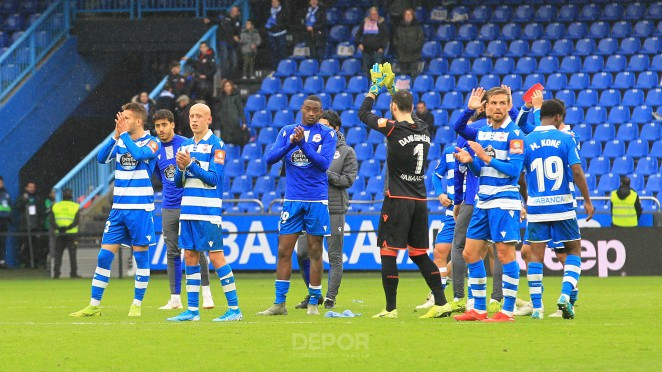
x=128, y=162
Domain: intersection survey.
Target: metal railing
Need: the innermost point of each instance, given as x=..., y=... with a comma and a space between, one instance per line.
x=147, y=6
x=137, y=8
x=23, y=56
x=89, y=178
x=104, y=6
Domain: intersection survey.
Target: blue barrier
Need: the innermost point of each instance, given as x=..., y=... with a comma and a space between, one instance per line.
x=22, y=57
x=137, y=8
x=145, y=6
x=104, y=6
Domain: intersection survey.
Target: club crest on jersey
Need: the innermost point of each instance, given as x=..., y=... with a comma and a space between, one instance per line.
x=490, y=151
x=169, y=172
x=516, y=146
x=336, y=155
x=317, y=137
x=299, y=159
x=128, y=162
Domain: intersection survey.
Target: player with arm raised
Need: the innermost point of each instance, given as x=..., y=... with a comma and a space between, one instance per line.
x=130, y=222
x=308, y=150
x=200, y=171
x=552, y=168
x=404, y=216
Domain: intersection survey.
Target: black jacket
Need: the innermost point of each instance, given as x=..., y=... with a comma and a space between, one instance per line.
x=281, y=21
x=408, y=42
x=319, y=27
x=178, y=84
x=228, y=28
x=372, y=42
x=230, y=117
x=31, y=209
x=341, y=175
x=204, y=65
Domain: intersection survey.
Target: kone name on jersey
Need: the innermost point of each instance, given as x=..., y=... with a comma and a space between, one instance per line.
x=546, y=142
x=414, y=138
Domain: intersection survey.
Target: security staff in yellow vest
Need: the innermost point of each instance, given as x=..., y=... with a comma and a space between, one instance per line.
x=625, y=205
x=64, y=219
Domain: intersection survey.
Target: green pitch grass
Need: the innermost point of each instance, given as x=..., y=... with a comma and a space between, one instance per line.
x=617, y=327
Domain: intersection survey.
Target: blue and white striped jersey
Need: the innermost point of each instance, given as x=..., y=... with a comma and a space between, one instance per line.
x=444, y=176
x=549, y=155
x=203, y=179
x=498, y=181
x=134, y=164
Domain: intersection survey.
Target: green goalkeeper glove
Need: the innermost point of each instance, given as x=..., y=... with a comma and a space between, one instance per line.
x=389, y=78
x=376, y=78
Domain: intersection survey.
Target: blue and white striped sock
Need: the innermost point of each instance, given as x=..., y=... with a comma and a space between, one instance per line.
x=534, y=276
x=282, y=287
x=571, y=273
x=142, y=276
x=442, y=273
x=573, y=295
x=470, y=295
x=229, y=287
x=510, y=279
x=101, y=275
x=478, y=281
x=315, y=292
x=193, y=287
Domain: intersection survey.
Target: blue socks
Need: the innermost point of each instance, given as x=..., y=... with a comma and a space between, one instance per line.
x=227, y=282
x=101, y=275
x=534, y=276
x=477, y=282
x=193, y=287
x=282, y=287
x=571, y=273
x=142, y=276
x=315, y=292
x=510, y=282
x=306, y=271
x=573, y=295
x=178, y=275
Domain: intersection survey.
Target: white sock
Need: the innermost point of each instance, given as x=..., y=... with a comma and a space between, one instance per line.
x=175, y=298
x=136, y=302
x=206, y=291
x=94, y=302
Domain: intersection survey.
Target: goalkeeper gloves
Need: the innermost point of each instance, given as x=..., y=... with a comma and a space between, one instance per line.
x=389, y=77
x=376, y=79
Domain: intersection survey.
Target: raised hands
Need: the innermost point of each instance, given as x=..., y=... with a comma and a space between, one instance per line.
x=463, y=156
x=536, y=99
x=297, y=135
x=183, y=159
x=476, y=99
x=121, y=125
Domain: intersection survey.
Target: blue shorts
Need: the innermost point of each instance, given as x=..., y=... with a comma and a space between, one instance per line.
x=445, y=235
x=550, y=244
x=201, y=236
x=495, y=225
x=130, y=227
x=311, y=217
x=555, y=232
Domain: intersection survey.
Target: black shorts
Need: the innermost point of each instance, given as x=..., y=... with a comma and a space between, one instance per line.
x=403, y=224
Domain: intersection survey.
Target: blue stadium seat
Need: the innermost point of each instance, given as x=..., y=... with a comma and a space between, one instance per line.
x=502, y=14
x=604, y=132
x=599, y=30
x=570, y=64
x=451, y=101
x=308, y=67
x=421, y=14
x=615, y=63
x=648, y=205
x=264, y=185
x=526, y=65
x=452, y=49
x=433, y=99
x=599, y=165
x=350, y=118
x=590, y=149
x=277, y=102
x=532, y=31
x=642, y=114
x=514, y=81
x=634, y=11
x=595, y=114
x=380, y=152
x=638, y=62
x=241, y=184
x=634, y=97
x=481, y=14
x=656, y=149
x=360, y=196
x=511, y=31
x=627, y=132
x=292, y=85
x=431, y=49
x=524, y=13
x=651, y=132
x=342, y=101
x=602, y=80
x=467, y=32
x=545, y=13
x=357, y=186
x=444, y=83
x=313, y=85
x=540, y=48
x=232, y=152
x=286, y=67
x=275, y=169
x=283, y=118
x=612, y=12
x=489, y=81
x=608, y=183
x=267, y=136
x=281, y=185
x=268, y=198
x=574, y=115
x=251, y=151
x=504, y=65
x=445, y=135
x=585, y=47
x=614, y=149
x=610, y=97
x=329, y=67
x=358, y=84
x=624, y=80
x=637, y=182
x=488, y=32
x=562, y=48
x=568, y=12
x=619, y=115
x=356, y=135
x=350, y=67
x=423, y=83
x=656, y=64
x=654, y=11
x=270, y=85
x=256, y=102
x=438, y=66
x=466, y=83
x=296, y=101
x=375, y=185
x=474, y=49
x=586, y=97
x=654, y=96
x=333, y=15
x=654, y=184
x=637, y=149
x=14, y=23
x=383, y=102
x=593, y=64
x=353, y=15
x=533, y=79
x=589, y=12
x=363, y=151
x=517, y=98
x=445, y=32
x=652, y=45
x=621, y=29
x=646, y=166
x=548, y=65
x=567, y=96
x=335, y=84
x=590, y=181
x=481, y=66
x=577, y=30
x=370, y=168
x=459, y=66
x=455, y=115
x=643, y=28
x=630, y=45
x=554, y=31
x=607, y=46
x=583, y=131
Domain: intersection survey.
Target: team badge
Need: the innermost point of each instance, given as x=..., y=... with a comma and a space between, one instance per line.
x=490, y=151
x=517, y=146
x=317, y=138
x=169, y=172
x=336, y=155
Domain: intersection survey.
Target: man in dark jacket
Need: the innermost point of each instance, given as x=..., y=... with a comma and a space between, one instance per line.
x=371, y=39
x=408, y=42
x=227, y=38
x=315, y=23
x=176, y=80
x=183, y=105
x=31, y=210
x=424, y=114
x=204, y=68
x=277, y=30
x=341, y=175
x=5, y=219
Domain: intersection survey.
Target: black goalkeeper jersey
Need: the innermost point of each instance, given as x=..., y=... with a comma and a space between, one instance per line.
x=407, y=150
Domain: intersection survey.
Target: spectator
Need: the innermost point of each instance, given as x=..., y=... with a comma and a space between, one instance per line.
x=5, y=219
x=398, y=7
x=204, y=68
x=249, y=41
x=424, y=114
x=166, y=99
x=64, y=218
x=176, y=80
x=230, y=118
x=277, y=29
x=227, y=37
x=148, y=103
x=315, y=22
x=625, y=205
x=408, y=42
x=48, y=203
x=371, y=39
x=182, y=126
x=31, y=212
